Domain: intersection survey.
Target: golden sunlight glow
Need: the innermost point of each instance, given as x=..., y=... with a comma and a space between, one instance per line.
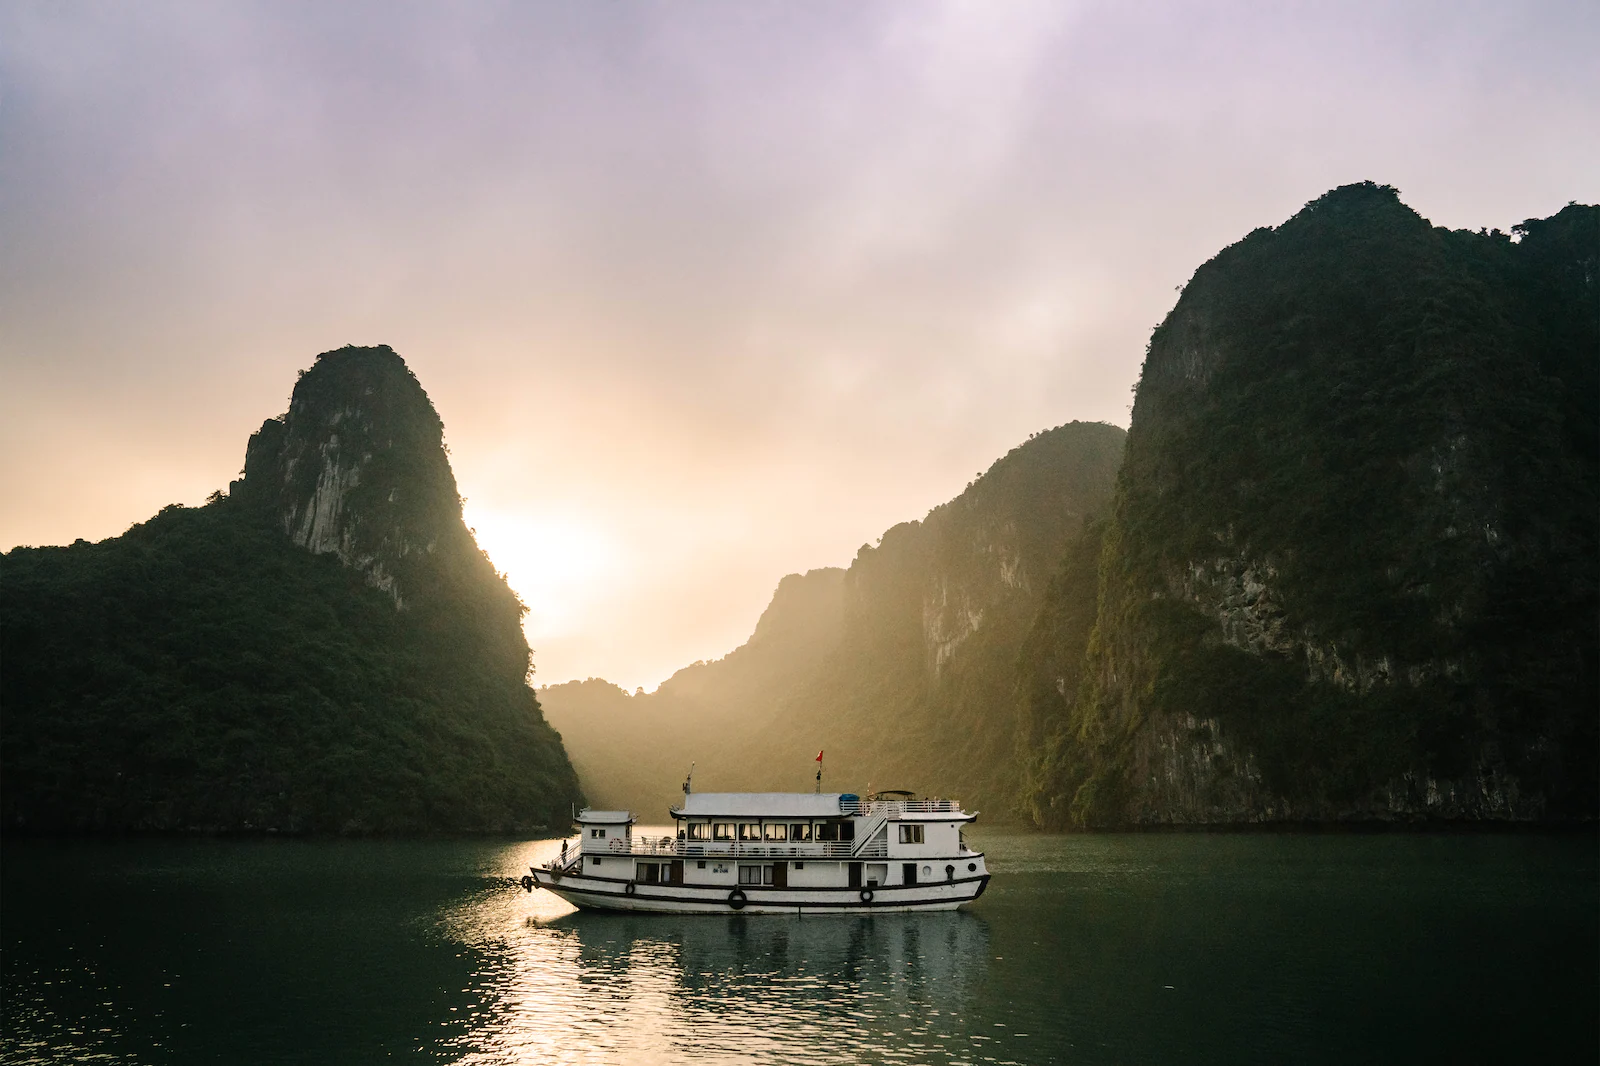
x=552, y=560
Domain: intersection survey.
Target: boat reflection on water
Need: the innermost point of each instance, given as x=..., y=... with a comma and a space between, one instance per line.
x=561, y=984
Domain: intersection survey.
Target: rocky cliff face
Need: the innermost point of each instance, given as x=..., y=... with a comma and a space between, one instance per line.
x=901, y=667
x=357, y=468
x=1350, y=572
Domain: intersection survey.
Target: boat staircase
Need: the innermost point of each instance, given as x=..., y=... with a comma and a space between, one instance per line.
x=570, y=861
x=874, y=843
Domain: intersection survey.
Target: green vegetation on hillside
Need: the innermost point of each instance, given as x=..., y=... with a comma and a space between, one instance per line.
x=1356, y=529
x=203, y=671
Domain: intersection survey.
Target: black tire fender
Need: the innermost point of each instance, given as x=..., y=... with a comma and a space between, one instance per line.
x=631, y=888
x=736, y=899
x=866, y=895
x=527, y=882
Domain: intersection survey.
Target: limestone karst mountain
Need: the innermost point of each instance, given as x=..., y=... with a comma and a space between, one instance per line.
x=1351, y=570
x=322, y=649
x=357, y=467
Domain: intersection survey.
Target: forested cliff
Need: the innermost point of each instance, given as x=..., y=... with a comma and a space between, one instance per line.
x=1350, y=571
x=324, y=648
x=902, y=666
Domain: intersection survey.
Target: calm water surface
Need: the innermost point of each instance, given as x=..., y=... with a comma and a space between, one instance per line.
x=1105, y=949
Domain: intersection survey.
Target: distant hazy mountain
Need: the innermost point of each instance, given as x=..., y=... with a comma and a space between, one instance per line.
x=902, y=667
x=1351, y=570
x=323, y=649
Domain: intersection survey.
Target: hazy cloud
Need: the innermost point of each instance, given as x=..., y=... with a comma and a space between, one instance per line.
x=704, y=293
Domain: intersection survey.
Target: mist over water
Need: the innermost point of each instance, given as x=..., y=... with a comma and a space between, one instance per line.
x=1161, y=948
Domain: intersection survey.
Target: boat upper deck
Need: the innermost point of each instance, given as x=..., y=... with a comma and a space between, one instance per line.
x=780, y=805
x=774, y=825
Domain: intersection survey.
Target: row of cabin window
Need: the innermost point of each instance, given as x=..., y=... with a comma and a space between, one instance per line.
x=750, y=832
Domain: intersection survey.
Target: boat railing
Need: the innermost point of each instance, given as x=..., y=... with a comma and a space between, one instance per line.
x=861, y=807
x=669, y=847
x=895, y=808
x=570, y=861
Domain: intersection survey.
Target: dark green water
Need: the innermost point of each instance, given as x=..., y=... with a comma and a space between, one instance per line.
x=1107, y=949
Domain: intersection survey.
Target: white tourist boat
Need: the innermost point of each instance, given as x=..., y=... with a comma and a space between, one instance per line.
x=773, y=853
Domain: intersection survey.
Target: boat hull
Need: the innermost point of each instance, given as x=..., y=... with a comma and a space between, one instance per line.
x=596, y=893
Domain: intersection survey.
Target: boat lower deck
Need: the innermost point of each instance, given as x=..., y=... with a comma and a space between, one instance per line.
x=613, y=894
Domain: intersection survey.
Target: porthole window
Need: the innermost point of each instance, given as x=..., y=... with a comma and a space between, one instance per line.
x=926, y=870
x=972, y=866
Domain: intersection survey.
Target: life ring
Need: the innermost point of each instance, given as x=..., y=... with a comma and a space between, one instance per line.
x=736, y=899
x=630, y=888
x=527, y=882
x=866, y=895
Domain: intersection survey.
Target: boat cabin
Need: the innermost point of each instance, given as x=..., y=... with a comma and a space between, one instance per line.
x=774, y=851
x=796, y=840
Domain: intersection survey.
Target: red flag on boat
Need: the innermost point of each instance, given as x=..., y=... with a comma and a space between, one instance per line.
x=819, y=756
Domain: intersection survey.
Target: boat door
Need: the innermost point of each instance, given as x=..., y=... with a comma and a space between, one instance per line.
x=910, y=870
x=780, y=875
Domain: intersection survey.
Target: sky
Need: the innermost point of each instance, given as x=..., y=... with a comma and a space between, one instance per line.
x=705, y=292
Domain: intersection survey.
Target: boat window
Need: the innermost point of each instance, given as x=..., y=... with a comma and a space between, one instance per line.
x=698, y=830
x=649, y=873
x=777, y=831
x=595, y=859
x=598, y=834
x=722, y=831
x=800, y=831
x=911, y=834
x=827, y=831
x=749, y=830
x=755, y=875
x=847, y=831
